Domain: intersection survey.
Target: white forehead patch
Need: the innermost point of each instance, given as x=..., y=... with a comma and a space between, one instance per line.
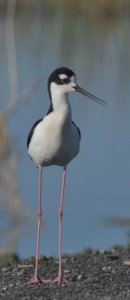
x=63, y=76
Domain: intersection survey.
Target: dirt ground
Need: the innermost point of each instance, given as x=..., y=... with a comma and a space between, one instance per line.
x=91, y=275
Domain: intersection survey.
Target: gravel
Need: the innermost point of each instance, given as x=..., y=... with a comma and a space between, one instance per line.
x=91, y=275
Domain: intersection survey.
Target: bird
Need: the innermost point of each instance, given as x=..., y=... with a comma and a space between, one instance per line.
x=55, y=140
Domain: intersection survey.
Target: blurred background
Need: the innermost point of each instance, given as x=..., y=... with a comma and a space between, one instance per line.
x=92, y=38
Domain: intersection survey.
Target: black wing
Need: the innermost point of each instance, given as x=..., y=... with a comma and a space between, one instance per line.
x=35, y=124
x=31, y=131
x=78, y=130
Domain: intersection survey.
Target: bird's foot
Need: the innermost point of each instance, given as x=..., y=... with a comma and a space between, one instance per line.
x=58, y=280
x=34, y=280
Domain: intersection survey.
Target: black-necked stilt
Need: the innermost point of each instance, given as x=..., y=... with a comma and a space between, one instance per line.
x=55, y=140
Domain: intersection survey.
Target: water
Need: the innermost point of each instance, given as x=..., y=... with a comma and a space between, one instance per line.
x=98, y=50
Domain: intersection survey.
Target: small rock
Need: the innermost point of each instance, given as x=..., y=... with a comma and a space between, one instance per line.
x=21, y=272
x=126, y=262
x=66, y=271
x=101, y=251
x=15, y=269
x=87, y=294
x=104, y=269
x=4, y=269
x=24, y=266
x=113, y=256
x=80, y=276
x=11, y=285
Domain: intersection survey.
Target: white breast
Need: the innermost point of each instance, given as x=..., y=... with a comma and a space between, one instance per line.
x=55, y=139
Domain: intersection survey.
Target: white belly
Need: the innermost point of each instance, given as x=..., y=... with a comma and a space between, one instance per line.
x=54, y=143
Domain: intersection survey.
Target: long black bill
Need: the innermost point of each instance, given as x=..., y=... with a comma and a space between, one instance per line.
x=89, y=95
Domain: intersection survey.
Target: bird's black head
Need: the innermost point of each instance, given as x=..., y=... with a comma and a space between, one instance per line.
x=63, y=81
x=62, y=77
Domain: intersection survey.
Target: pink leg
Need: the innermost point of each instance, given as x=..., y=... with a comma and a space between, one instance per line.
x=36, y=278
x=59, y=279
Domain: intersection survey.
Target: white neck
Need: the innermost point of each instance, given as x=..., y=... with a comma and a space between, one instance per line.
x=60, y=100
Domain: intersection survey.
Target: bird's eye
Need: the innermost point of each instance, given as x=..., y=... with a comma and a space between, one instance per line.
x=65, y=80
